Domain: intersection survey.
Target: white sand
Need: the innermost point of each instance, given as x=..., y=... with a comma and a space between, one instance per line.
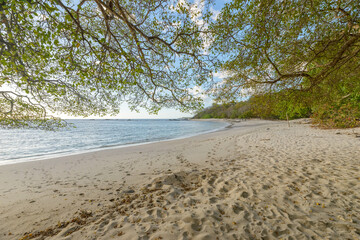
x=257, y=180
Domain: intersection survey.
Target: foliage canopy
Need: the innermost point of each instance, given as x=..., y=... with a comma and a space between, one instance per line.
x=297, y=45
x=305, y=53
x=87, y=57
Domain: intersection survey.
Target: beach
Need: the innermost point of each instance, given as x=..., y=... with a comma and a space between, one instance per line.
x=254, y=180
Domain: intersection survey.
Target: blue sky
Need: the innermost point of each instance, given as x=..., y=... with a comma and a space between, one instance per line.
x=126, y=113
x=219, y=4
x=167, y=113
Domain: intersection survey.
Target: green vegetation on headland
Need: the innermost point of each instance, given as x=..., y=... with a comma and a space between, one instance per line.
x=296, y=58
x=341, y=112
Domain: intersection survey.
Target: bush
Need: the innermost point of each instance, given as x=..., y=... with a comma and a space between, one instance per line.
x=343, y=116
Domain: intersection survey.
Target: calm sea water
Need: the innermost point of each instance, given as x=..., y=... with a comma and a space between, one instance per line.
x=19, y=145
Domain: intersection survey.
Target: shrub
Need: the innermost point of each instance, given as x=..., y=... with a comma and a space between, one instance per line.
x=337, y=116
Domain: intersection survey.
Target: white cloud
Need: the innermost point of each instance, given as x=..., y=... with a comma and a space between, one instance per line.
x=176, y=6
x=196, y=10
x=215, y=13
x=198, y=92
x=5, y=87
x=223, y=74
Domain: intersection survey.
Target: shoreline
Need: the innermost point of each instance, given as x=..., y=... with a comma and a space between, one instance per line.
x=258, y=179
x=109, y=147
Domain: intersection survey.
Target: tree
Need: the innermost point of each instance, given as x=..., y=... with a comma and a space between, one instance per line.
x=87, y=57
x=297, y=46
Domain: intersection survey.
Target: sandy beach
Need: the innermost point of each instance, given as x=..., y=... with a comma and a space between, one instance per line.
x=255, y=180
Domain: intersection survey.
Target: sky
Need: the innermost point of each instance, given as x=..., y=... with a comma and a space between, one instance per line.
x=171, y=113
x=126, y=113
x=165, y=113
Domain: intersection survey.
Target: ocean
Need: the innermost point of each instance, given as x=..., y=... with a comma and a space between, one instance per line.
x=21, y=145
